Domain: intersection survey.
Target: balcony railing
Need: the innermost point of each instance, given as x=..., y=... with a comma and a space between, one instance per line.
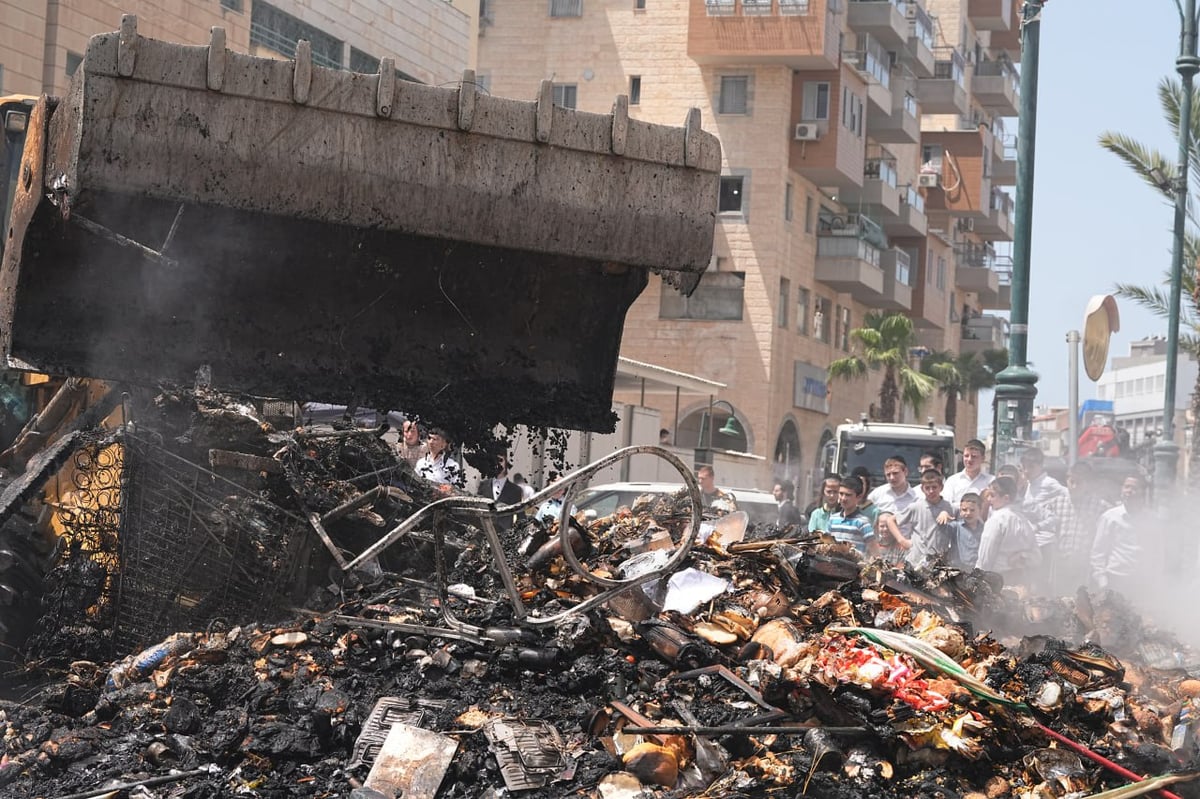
x=848, y=247
x=872, y=59
x=920, y=24
x=851, y=226
x=914, y=198
x=949, y=64
x=902, y=5
x=910, y=104
x=881, y=168
x=1000, y=68
x=1001, y=201
x=756, y=8
x=974, y=255
x=903, y=267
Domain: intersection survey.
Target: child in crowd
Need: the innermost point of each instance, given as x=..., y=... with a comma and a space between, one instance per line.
x=848, y=524
x=1008, y=544
x=967, y=531
x=931, y=523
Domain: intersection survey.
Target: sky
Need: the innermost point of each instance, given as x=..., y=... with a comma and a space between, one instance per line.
x=1094, y=222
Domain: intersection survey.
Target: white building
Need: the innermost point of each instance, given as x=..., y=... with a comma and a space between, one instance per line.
x=1136, y=384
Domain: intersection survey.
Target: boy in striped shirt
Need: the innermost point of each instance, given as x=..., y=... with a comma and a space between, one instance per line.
x=849, y=524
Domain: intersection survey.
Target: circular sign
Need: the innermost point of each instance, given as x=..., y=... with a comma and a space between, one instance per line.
x=1100, y=321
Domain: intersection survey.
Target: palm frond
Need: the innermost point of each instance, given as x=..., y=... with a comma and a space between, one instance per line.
x=1152, y=298
x=1143, y=161
x=849, y=368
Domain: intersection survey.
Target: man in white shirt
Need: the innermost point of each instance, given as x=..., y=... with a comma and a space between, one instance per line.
x=437, y=466
x=1120, y=552
x=502, y=491
x=896, y=494
x=972, y=478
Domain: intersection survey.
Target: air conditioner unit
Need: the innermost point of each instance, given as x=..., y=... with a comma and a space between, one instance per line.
x=966, y=225
x=929, y=180
x=807, y=131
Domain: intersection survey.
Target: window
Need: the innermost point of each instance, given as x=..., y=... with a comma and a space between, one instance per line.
x=363, y=62
x=802, y=310
x=852, y=111
x=793, y=6
x=735, y=95
x=566, y=8
x=941, y=272
x=635, y=89
x=718, y=297
x=279, y=31
x=815, y=102
x=73, y=62
x=487, y=14
x=787, y=202
x=844, y=328
x=564, y=94
x=820, y=320
x=1160, y=382
x=732, y=197
x=1, y=77
x=232, y=5
x=808, y=214
x=483, y=82
x=785, y=302
x=639, y=5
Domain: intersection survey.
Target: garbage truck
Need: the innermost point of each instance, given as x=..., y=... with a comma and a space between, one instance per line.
x=869, y=444
x=288, y=230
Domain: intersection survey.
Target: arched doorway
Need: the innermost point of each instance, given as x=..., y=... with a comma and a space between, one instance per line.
x=787, y=460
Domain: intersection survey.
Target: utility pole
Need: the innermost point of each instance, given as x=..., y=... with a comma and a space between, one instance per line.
x=1166, y=451
x=1073, y=339
x=1016, y=385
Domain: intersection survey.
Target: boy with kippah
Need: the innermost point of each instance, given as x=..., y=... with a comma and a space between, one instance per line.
x=967, y=531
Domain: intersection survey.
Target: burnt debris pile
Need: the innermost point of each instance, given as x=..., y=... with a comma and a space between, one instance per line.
x=289, y=653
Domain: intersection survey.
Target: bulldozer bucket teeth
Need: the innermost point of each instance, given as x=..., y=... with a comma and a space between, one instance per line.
x=312, y=233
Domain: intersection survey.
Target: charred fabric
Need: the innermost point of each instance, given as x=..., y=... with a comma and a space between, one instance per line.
x=212, y=628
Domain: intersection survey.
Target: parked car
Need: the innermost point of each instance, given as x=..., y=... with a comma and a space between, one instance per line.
x=602, y=500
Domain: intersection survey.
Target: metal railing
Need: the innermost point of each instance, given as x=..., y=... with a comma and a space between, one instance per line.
x=881, y=168
x=920, y=25
x=1001, y=201
x=286, y=45
x=848, y=247
x=756, y=8
x=913, y=198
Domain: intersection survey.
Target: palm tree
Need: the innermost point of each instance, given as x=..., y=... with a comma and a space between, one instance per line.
x=884, y=342
x=959, y=375
x=1160, y=172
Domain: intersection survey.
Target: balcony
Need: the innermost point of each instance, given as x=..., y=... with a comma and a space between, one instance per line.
x=998, y=224
x=982, y=281
x=919, y=50
x=980, y=333
x=848, y=256
x=910, y=220
x=1003, y=267
x=873, y=64
x=946, y=91
x=802, y=34
x=1004, y=165
x=903, y=124
x=991, y=15
x=997, y=87
x=1009, y=39
x=878, y=190
x=886, y=20
x=897, y=280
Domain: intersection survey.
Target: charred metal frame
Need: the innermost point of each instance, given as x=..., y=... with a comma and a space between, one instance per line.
x=486, y=511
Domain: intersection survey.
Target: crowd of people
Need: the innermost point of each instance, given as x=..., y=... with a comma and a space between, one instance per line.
x=1022, y=522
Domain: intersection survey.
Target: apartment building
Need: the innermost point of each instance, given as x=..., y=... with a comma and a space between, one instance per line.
x=42, y=41
x=1136, y=383
x=865, y=167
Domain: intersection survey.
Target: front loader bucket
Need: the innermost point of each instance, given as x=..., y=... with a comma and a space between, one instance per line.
x=317, y=234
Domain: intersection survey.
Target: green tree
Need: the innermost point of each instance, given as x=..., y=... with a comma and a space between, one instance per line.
x=961, y=374
x=883, y=342
x=1160, y=173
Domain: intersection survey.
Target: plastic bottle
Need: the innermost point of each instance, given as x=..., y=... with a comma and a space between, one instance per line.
x=1181, y=736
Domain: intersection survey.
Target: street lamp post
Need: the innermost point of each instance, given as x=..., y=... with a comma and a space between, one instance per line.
x=1016, y=385
x=1166, y=451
